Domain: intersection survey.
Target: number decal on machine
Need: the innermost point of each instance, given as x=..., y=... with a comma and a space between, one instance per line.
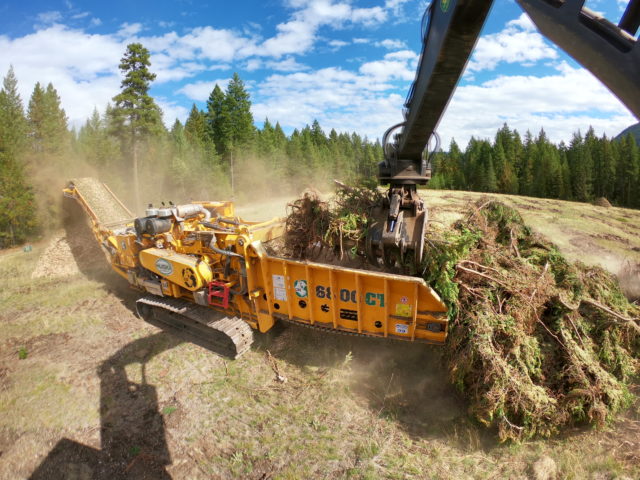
x=323, y=292
x=351, y=296
x=374, y=299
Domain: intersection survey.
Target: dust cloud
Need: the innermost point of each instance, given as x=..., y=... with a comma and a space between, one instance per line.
x=629, y=278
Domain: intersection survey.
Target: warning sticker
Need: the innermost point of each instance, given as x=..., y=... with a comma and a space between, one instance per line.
x=403, y=310
x=280, y=293
x=402, y=328
x=279, y=289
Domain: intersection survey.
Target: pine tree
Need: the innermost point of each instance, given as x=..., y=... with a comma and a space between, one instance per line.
x=607, y=169
x=280, y=137
x=236, y=120
x=95, y=144
x=47, y=123
x=17, y=206
x=319, y=138
x=629, y=195
x=565, y=191
x=13, y=124
x=214, y=120
x=135, y=116
x=195, y=128
x=526, y=181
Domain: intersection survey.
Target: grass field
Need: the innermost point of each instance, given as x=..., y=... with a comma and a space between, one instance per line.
x=88, y=390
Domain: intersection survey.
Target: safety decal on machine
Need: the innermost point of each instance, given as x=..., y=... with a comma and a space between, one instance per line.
x=300, y=286
x=402, y=328
x=403, y=310
x=279, y=289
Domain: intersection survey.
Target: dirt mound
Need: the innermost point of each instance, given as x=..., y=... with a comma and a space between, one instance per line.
x=602, y=202
x=535, y=342
x=57, y=260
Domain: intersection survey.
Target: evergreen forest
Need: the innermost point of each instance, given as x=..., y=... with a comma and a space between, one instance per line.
x=589, y=167
x=219, y=153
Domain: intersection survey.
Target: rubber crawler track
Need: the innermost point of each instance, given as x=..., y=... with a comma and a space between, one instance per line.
x=226, y=336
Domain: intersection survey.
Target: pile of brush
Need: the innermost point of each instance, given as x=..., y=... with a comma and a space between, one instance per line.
x=337, y=227
x=535, y=342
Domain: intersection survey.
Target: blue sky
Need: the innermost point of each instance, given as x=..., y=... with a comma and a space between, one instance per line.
x=347, y=63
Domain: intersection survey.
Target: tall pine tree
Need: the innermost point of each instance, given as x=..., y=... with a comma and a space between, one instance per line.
x=17, y=205
x=135, y=116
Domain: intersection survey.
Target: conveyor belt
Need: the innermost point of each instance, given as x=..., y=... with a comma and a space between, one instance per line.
x=102, y=203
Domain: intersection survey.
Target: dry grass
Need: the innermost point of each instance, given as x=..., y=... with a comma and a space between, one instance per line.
x=594, y=235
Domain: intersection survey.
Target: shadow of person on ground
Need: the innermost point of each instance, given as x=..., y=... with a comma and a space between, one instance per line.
x=133, y=441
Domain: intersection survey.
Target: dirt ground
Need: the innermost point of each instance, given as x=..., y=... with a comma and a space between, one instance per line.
x=88, y=390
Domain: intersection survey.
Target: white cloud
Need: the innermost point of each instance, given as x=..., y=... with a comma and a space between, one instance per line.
x=562, y=103
x=369, y=16
x=171, y=111
x=362, y=101
x=516, y=43
x=568, y=100
x=346, y=101
x=396, y=8
x=298, y=35
x=48, y=18
x=523, y=22
x=254, y=64
x=200, y=91
x=214, y=44
x=394, y=66
x=166, y=70
x=337, y=44
x=129, y=29
x=391, y=44
x=289, y=64
x=84, y=69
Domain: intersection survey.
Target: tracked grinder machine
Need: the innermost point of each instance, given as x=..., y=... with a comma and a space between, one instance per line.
x=206, y=272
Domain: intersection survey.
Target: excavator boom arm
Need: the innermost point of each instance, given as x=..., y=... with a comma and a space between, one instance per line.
x=451, y=29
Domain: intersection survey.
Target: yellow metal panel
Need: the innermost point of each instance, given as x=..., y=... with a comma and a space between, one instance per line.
x=371, y=303
x=188, y=272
